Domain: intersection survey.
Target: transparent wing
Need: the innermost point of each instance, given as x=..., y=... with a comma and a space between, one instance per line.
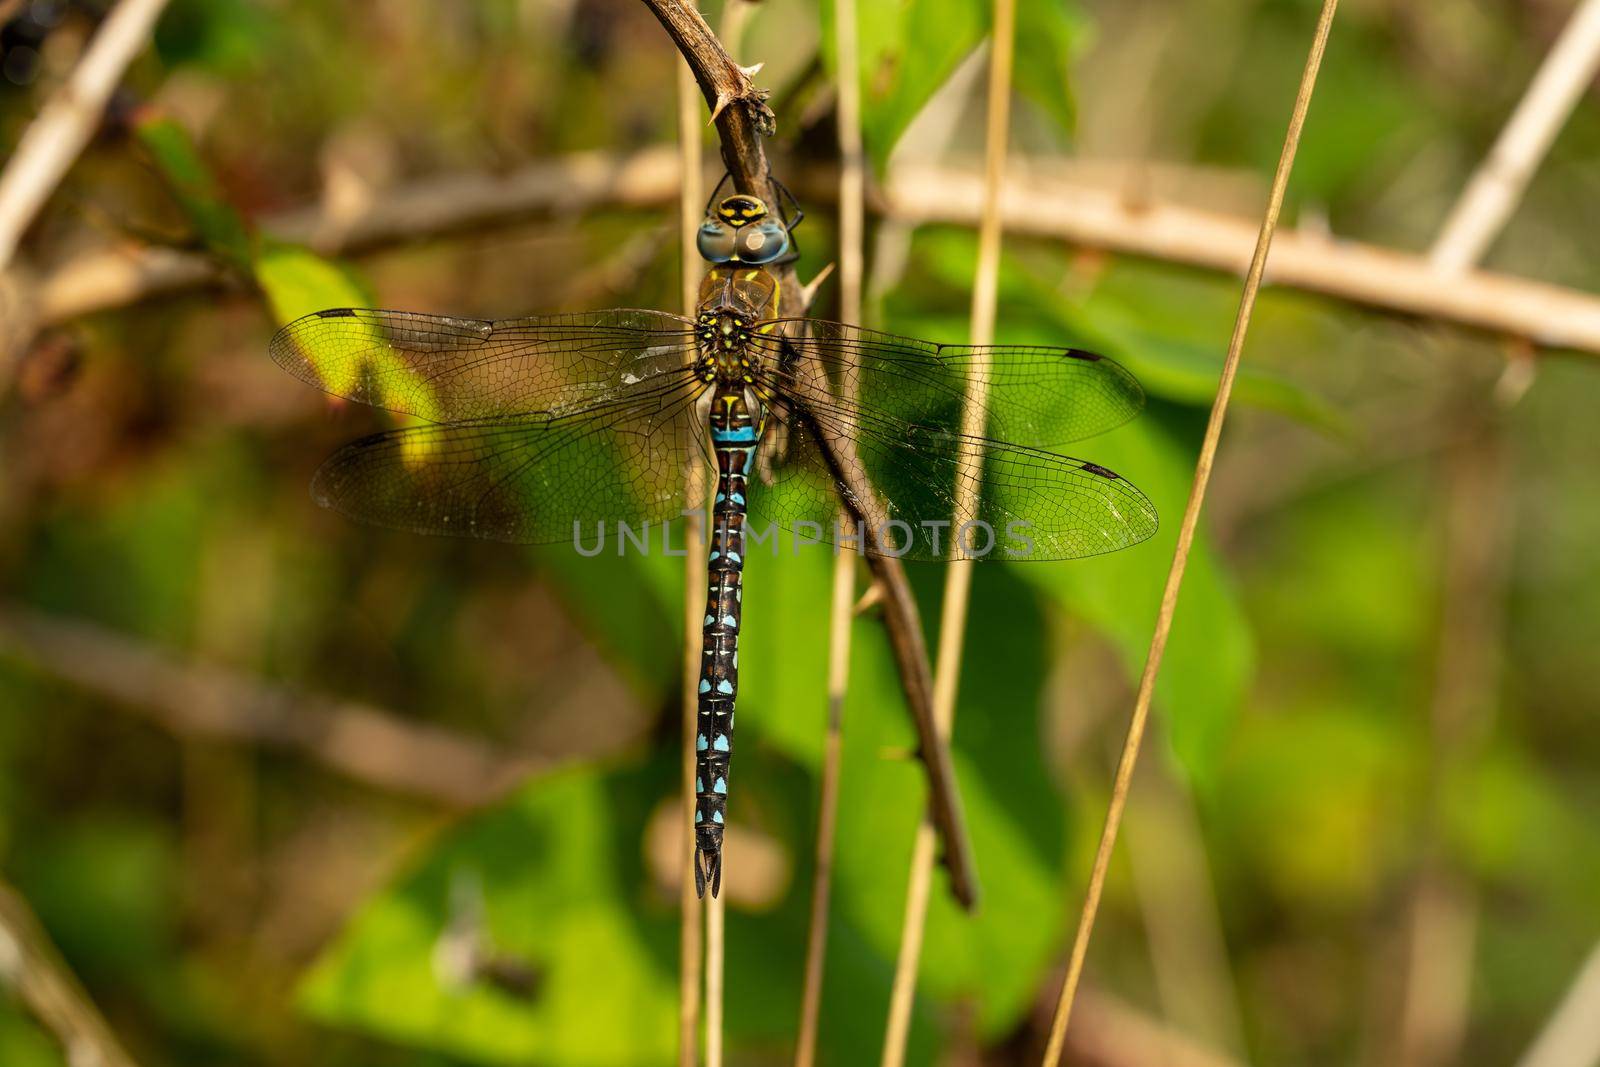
x=1033, y=395
x=449, y=369
x=1029, y=504
x=526, y=479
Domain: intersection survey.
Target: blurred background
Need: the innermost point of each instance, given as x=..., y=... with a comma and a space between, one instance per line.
x=284, y=790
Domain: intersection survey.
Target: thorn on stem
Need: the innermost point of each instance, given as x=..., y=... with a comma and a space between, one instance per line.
x=808, y=290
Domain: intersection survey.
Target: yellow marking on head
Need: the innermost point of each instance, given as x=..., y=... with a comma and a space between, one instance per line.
x=741, y=209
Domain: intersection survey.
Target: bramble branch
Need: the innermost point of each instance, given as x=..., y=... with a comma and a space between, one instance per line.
x=741, y=120
x=1063, y=207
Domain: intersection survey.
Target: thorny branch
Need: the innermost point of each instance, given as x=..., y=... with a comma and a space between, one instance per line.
x=741, y=118
x=1058, y=207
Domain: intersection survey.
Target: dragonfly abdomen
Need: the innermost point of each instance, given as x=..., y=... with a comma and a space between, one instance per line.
x=733, y=439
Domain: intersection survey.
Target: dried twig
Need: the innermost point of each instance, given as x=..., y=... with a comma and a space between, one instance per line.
x=68, y=119
x=1186, y=531
x=363, y=742
x=1364, y=274
x=1497, y=186
x=740, y=123
x=1042, y=205
x=852, y=209
x=32, y=969
x=691, y=917
x=958, y=582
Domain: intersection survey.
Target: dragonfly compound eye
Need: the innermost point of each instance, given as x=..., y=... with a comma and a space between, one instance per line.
x=715, y=241
x=763, y=242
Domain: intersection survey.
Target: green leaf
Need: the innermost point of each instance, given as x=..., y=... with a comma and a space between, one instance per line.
x=908, y=50
x=1048, y=32
x=540, y=885
x=1210, y=653
x=222, y=229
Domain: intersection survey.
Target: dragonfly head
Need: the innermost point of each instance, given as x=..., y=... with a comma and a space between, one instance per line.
x=741, y=230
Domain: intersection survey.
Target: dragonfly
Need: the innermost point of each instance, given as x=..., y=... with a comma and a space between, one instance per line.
x=543, y=429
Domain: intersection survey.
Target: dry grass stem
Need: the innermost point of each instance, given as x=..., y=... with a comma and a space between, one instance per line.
x=958, y=582
x=840, y=618
x=68, y=119
x=33, y=971
x=1186, y=531
x=852, y=208
x=716, y=913
x=691, y=932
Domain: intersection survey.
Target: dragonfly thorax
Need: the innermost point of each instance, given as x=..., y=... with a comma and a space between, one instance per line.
x=724, y=337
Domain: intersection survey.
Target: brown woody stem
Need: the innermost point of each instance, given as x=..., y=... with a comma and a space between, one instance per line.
x=742, y=118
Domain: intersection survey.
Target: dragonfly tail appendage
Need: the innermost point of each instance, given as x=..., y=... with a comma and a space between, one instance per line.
x=707, y=870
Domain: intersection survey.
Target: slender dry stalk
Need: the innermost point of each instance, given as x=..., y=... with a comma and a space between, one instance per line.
x=958, y=582
x=32, y=970
x=68, y=119
x=1186, y=531
x=691, y=936
x=842, y=614
x=1497, y=186
x=852, y=211
x=715, y=926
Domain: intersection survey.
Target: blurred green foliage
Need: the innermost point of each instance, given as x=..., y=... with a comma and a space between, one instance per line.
x=225, y=903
